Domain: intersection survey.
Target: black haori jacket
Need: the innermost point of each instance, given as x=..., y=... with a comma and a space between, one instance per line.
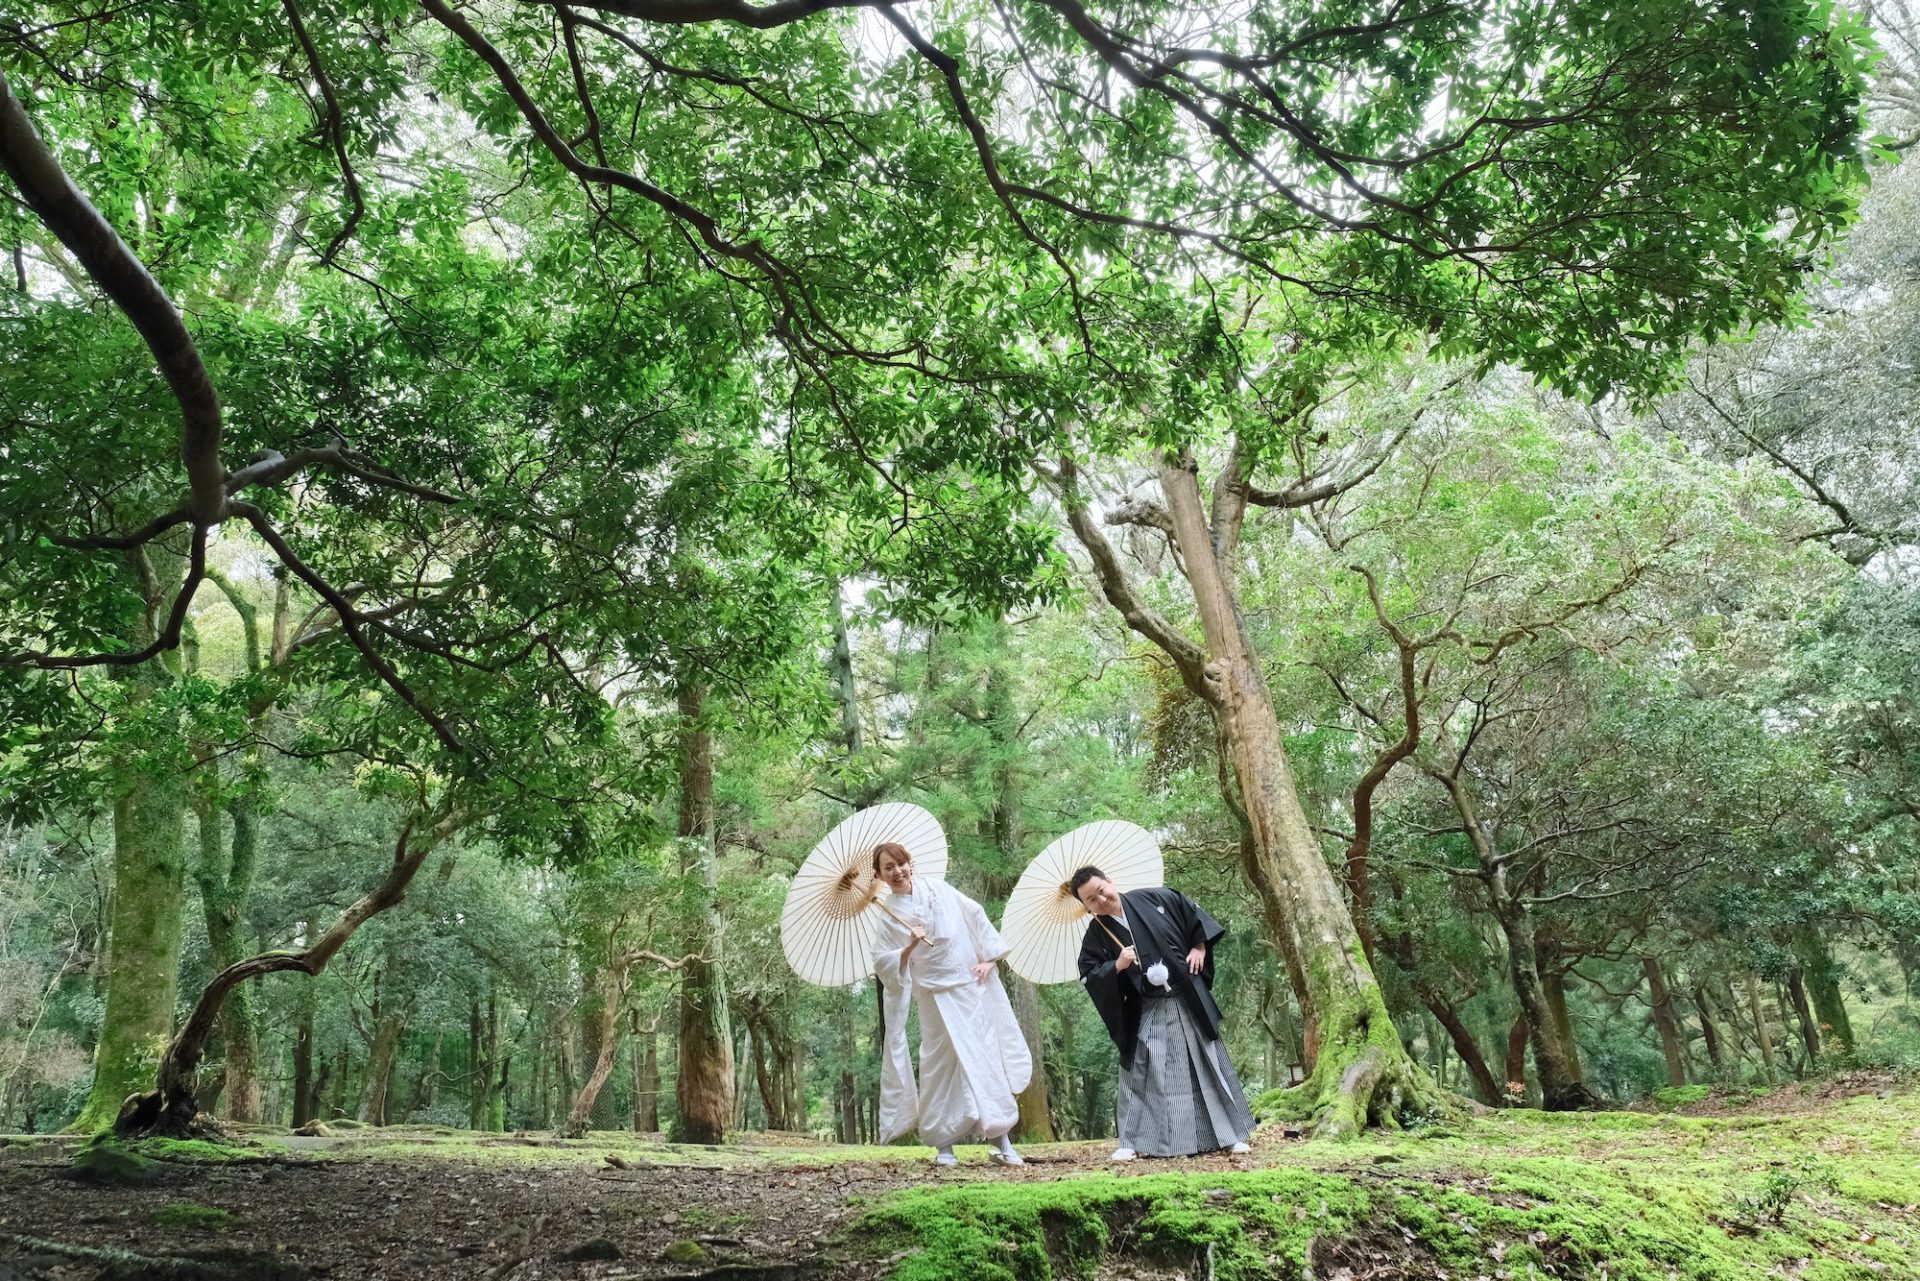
x=1166, y=925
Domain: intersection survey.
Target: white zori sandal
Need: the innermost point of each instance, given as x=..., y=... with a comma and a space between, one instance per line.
x=1122, y=1154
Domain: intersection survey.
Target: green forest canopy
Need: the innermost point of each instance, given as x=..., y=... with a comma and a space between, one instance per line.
x=593, y=446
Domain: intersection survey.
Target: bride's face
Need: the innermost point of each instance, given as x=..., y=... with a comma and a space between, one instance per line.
x=897, y=871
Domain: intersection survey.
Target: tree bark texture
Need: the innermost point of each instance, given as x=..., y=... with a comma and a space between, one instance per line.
x=703, y=1092
x=1660, y=1001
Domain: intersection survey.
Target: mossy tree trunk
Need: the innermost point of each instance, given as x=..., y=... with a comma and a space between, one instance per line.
x=142, y=964
x=224, y=873
x=703, y=1092
x=1362, y=1073
x=1823, y=986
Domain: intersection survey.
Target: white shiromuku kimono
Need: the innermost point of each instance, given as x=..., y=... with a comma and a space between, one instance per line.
x=973, y=1060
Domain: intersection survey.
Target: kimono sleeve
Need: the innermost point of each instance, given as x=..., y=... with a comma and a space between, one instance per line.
x=1202, y=930
x=888, y=940
x=988, y=944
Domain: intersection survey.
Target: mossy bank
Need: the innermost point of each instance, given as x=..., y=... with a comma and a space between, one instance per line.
x=1832, y=1195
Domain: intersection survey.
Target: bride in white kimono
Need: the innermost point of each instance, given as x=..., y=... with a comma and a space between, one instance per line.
x=973, y=1060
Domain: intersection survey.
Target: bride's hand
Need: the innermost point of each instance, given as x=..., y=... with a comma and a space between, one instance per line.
x=982, y=971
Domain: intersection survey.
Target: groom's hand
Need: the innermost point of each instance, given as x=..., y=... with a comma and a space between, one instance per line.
x=1196, y=959
x=1127, y=957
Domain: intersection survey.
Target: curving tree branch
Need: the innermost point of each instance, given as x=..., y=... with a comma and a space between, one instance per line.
x=112, y=265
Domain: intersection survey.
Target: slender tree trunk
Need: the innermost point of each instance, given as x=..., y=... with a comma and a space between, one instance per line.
x=1660, y=1000
x=703, y=1093
x=305, y=1096
x=1561, y=1089
x=224, y=874
x=1003, y=732
x=1485, y=1088
x=1709, y=1034
x=1363, y=1073
x=605, y=1030
x=1809, y=1028
x=1761, y=1035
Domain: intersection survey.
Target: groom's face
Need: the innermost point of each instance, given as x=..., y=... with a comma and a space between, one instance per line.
x=1099, y=897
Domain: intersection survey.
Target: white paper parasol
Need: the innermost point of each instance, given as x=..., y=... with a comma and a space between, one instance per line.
x=1044, y=922
x=826, y=928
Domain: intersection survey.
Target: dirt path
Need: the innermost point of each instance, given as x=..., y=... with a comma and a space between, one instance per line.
x=764, y=1214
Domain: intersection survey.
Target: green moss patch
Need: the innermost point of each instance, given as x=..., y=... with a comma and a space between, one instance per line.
x=193, y=1151
x=190, y=1216
x=1249, y=1225
x=1678, y=1096
x=1827, y=1196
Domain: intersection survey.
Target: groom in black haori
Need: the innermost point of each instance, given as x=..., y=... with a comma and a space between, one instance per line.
x=1147, y=962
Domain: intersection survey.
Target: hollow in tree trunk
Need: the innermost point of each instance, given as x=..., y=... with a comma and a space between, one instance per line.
x=703, y=1093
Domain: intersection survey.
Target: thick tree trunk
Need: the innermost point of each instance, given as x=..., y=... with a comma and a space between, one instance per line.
x=381, y=1052
x=143, y=951
x=1553, y=982
x=1363, y=1073
x=703, y=1093
x=1660, y=1001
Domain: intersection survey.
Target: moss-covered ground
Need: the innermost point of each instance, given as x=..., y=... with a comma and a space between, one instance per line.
x=1814, y=1184
x=1825, y=1195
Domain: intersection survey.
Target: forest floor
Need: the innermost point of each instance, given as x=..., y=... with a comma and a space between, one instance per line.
x=1818, y=1182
